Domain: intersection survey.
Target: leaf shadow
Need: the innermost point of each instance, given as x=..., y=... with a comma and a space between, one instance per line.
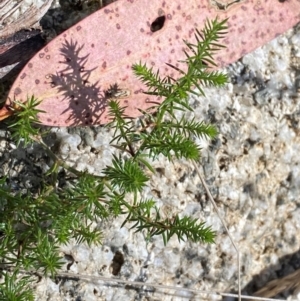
x=86, y=100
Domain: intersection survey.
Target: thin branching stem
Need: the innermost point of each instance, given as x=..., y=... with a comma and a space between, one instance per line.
x=224, y=225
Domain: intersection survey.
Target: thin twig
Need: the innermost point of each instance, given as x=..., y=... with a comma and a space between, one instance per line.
x=224, y=224
x=160, y=286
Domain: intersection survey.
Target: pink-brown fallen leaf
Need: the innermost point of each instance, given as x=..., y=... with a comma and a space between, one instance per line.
x=76, y=73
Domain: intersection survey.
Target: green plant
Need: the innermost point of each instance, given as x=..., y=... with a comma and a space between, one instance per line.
x=33, y=225
x=14, y=289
